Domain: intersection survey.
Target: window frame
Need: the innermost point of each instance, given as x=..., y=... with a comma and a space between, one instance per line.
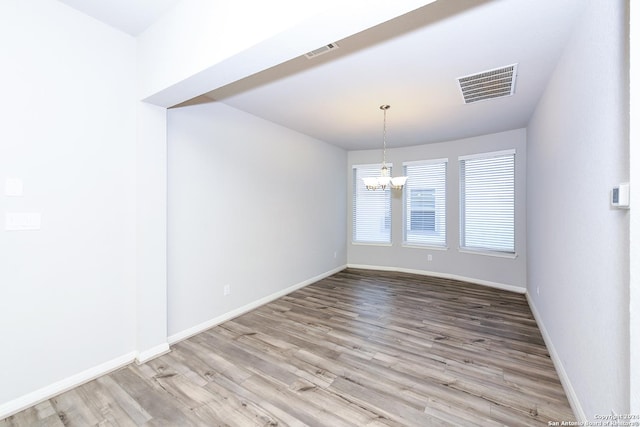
x=357, y=184
x=486, y=250
x=442, y=237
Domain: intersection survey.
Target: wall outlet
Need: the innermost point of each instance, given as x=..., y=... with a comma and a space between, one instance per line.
x=335, y=255
x=429, y=257
x=227, y=290
x=537, y=290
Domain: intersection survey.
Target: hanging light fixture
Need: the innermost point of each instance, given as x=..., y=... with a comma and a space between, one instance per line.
x=385, y=179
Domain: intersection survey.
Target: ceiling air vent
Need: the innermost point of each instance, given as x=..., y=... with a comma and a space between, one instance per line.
x=489, y=84
x=322, y=50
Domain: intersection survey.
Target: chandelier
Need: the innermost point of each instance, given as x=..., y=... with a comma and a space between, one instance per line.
x=385, y=179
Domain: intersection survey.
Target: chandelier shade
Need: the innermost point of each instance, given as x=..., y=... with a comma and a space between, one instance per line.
x=385, y=179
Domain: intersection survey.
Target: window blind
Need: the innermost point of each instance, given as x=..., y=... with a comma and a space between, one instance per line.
x=371, y=208
x=425, y=221
x=487, y=201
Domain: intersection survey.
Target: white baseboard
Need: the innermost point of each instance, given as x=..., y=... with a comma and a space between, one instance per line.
x=557, y=362
x=152, y=353
x=504, y=287
x=9, y=408
x=187, y=333
x=14, y=406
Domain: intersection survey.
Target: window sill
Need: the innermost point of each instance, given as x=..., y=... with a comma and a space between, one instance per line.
x=488, y=253
x=427, y=247
x=371, y=244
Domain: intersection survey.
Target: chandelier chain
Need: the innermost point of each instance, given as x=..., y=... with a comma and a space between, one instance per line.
x=384, y=109
x=384, y=137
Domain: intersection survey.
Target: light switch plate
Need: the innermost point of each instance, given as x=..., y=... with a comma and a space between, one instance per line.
x=13, y=187
x=21, y=221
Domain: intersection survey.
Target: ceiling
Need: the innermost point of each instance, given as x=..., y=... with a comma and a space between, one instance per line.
x=411, y=63
x=130, y=16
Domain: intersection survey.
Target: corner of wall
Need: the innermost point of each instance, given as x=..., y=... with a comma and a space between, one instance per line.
x=152, y=353
x=557, y=362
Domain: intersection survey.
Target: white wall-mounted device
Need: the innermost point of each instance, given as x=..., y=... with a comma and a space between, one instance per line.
x=620, y=196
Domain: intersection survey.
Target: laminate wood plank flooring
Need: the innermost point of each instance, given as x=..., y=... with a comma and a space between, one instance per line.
x=359, y=348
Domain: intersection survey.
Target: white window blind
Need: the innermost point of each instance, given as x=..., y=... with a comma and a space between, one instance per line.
x=425, y=203
x=371, y=208
x=487, y=201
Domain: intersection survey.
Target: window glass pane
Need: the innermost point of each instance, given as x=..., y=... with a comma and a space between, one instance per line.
x=423, y=210
x=487, y=202
x=425, y=203
x=371, y=208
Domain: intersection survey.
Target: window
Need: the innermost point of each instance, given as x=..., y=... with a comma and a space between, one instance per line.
x=425, y=203
x=371, y=208
x=422, y=210
x=487, y=202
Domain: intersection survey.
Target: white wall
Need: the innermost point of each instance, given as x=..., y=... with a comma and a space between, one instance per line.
x=151, y=232
x=67, y=291
x=490, y=270
x=251, y=204
x=577, y=150
x=634, y=253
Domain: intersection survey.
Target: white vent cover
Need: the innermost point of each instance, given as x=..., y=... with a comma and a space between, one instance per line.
x=322, y=50
x=489, y=84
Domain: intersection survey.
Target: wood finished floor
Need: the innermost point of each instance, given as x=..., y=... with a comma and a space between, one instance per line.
x=360, y=348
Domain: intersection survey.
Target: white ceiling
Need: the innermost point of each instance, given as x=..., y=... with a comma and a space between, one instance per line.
x=411, y=62
x=130, y=16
